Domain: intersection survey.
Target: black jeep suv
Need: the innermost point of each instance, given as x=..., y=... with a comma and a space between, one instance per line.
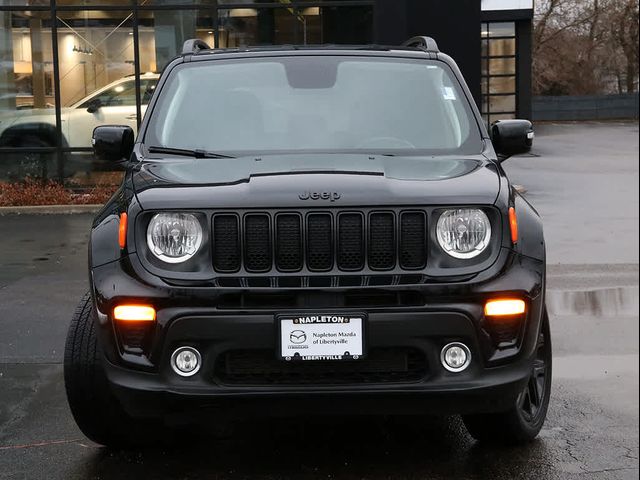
x=312, y=230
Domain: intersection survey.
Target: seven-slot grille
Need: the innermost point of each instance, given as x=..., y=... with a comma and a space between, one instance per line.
x=319, y=241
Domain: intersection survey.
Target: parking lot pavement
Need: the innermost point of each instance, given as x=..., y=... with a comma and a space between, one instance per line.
x=583, y=179
x=592, y=428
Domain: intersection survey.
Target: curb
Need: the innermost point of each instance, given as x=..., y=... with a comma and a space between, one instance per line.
x=50, y=209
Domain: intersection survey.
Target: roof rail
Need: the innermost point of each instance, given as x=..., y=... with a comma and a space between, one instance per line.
x=193, y=45
x=427, y=44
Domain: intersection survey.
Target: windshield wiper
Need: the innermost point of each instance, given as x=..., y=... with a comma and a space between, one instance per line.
x=187, y=153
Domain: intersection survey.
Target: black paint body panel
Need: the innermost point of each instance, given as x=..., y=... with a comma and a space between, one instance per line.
x=440, y=303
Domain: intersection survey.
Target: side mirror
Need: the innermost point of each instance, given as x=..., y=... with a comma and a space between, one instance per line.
x=113, y=143
x=511, y=137
x=94, y=105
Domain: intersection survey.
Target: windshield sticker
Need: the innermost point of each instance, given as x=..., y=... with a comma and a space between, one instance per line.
x=448, y=93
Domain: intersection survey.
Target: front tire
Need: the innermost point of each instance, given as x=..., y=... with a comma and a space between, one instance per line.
x=95, y=409
x=521, y=423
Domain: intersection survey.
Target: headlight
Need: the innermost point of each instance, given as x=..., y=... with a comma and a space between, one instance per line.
x=174, y=237
x=464, y=232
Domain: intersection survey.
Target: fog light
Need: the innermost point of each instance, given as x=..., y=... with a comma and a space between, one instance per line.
x=186, y=361
x=455, y=357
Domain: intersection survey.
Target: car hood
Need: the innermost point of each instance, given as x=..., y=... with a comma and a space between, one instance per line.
x=315, y=181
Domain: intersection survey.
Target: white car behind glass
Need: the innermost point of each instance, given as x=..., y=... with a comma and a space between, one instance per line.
x=113, y=104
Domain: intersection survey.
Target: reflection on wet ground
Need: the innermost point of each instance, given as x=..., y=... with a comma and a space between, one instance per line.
x=303, y=448
x=607, y=301
x=347, y=448
x=609, y=290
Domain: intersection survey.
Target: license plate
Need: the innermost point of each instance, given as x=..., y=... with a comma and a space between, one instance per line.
x=321, y=337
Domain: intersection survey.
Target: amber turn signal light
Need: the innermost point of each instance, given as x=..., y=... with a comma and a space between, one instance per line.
x=498, y=308
x=134, y=313
x=122, y=230
x=513, y=225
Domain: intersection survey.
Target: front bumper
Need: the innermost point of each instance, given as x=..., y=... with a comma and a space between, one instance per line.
x=150, y=395
x=146, y=384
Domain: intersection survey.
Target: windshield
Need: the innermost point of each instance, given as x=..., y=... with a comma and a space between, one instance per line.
x=314, y=104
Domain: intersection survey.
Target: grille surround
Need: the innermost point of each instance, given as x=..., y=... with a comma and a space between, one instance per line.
x=360, y=241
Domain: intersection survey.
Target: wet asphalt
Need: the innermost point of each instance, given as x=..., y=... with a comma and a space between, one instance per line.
x=584, y=181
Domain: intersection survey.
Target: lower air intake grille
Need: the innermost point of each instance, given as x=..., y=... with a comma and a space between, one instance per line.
x=260, y=367
x=506, y=332
x=134, y=336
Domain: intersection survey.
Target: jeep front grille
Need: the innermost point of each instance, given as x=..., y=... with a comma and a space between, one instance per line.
x=350, y=242
x=257, y=243
x=288, y=242
x=347, y=241
x=382, y=241
x=319, y=242
x=413, y=245
x=226, y=248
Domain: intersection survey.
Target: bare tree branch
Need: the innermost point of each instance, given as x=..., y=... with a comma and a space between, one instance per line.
x=585, y=46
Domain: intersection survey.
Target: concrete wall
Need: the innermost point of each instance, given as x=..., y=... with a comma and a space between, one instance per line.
x=588, y=107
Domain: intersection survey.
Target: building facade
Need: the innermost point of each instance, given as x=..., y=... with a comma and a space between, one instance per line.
x=66, y=67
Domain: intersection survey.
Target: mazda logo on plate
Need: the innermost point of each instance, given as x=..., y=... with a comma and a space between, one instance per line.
x=298, y=336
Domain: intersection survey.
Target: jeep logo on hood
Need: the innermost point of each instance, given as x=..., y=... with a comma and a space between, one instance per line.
x=331, y=196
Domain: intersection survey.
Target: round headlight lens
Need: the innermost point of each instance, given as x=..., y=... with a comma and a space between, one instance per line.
x=464, y=232
x=174, y=237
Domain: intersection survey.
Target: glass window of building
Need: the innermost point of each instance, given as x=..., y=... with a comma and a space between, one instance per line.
x=96, y=59
x=162, y=33
x=26, y=68
x=27, y=95
x=498, y=71
x=294, y=25
x=48, y=111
